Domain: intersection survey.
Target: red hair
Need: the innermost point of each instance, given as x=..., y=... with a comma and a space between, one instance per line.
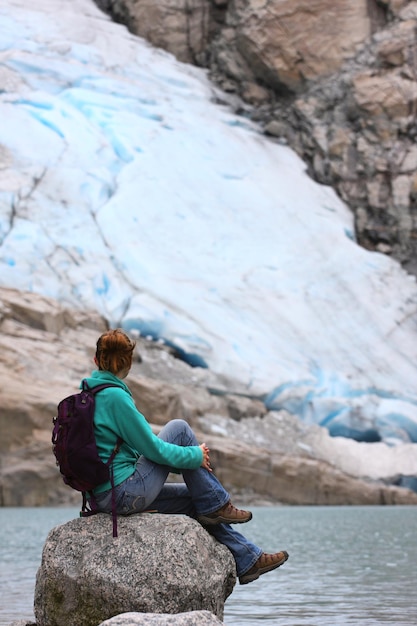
x=114, y=351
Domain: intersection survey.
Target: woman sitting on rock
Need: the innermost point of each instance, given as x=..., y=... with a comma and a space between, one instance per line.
x=144, y=461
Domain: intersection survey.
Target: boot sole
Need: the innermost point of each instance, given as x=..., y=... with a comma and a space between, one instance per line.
x=248, y=578
x=212, y=521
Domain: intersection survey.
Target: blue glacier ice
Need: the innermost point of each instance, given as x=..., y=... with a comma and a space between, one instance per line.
x=125, y=188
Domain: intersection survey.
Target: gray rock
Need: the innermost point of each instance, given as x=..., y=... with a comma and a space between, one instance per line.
x=192, y=618
x=158, y=564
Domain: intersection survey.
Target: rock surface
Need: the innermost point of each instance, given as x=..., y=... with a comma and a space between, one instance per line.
x=45, y=350
x=158, y=564
x=337, y=83
x=192, y=618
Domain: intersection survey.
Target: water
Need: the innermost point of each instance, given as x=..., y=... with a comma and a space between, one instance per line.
x=347, y=566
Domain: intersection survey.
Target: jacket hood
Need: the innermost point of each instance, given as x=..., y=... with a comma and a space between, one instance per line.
x=100, y=377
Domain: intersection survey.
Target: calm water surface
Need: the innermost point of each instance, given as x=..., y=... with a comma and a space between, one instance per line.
x=347, y=565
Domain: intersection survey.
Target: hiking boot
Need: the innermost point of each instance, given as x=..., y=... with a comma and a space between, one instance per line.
x=265, y=563
x=228, y=514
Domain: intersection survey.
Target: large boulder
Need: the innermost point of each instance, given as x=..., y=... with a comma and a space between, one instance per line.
x=157, y=564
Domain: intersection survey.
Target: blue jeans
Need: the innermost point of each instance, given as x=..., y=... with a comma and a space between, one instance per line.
x=200, y=493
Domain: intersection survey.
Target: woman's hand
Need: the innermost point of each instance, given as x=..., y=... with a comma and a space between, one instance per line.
x=206, y=457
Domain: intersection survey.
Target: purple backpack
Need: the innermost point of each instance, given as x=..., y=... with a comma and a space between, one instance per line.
x=75, y=449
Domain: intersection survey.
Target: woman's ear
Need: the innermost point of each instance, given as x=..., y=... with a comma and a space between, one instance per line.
x=95, y=361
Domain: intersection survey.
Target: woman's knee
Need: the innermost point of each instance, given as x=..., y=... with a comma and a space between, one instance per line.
x=176, y=425
x=178, y=429
x=184, y=428
x=180, y=423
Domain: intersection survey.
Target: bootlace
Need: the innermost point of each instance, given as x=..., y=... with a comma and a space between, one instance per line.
x=229, y=508
x=269, y=559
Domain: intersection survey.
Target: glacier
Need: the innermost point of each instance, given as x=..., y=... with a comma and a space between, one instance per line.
x=129, y=185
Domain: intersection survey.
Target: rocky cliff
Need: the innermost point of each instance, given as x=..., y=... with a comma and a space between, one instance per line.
x=45, y=350
x=337, y=82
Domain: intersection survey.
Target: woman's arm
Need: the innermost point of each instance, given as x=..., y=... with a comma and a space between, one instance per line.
x=133, y=428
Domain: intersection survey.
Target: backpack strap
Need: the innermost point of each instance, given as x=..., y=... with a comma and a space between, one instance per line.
x=89, y=507
x=85, y=386
x=113, y=495
x=113, y=503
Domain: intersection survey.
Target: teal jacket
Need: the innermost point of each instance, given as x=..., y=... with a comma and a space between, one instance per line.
x=117, y=416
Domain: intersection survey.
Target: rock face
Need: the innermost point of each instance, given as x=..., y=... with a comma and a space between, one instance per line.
x=45, y=350
x=300, y=479
x=337, y=82
x=42, y=348
x=158, y=564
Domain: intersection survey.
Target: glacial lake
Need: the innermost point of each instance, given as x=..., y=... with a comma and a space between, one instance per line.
x=347, y=566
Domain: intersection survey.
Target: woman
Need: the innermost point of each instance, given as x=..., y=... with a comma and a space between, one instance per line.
x=144, y=461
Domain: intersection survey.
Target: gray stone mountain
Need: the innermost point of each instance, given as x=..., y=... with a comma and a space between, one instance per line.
x=260, y=456
x=336, y=81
